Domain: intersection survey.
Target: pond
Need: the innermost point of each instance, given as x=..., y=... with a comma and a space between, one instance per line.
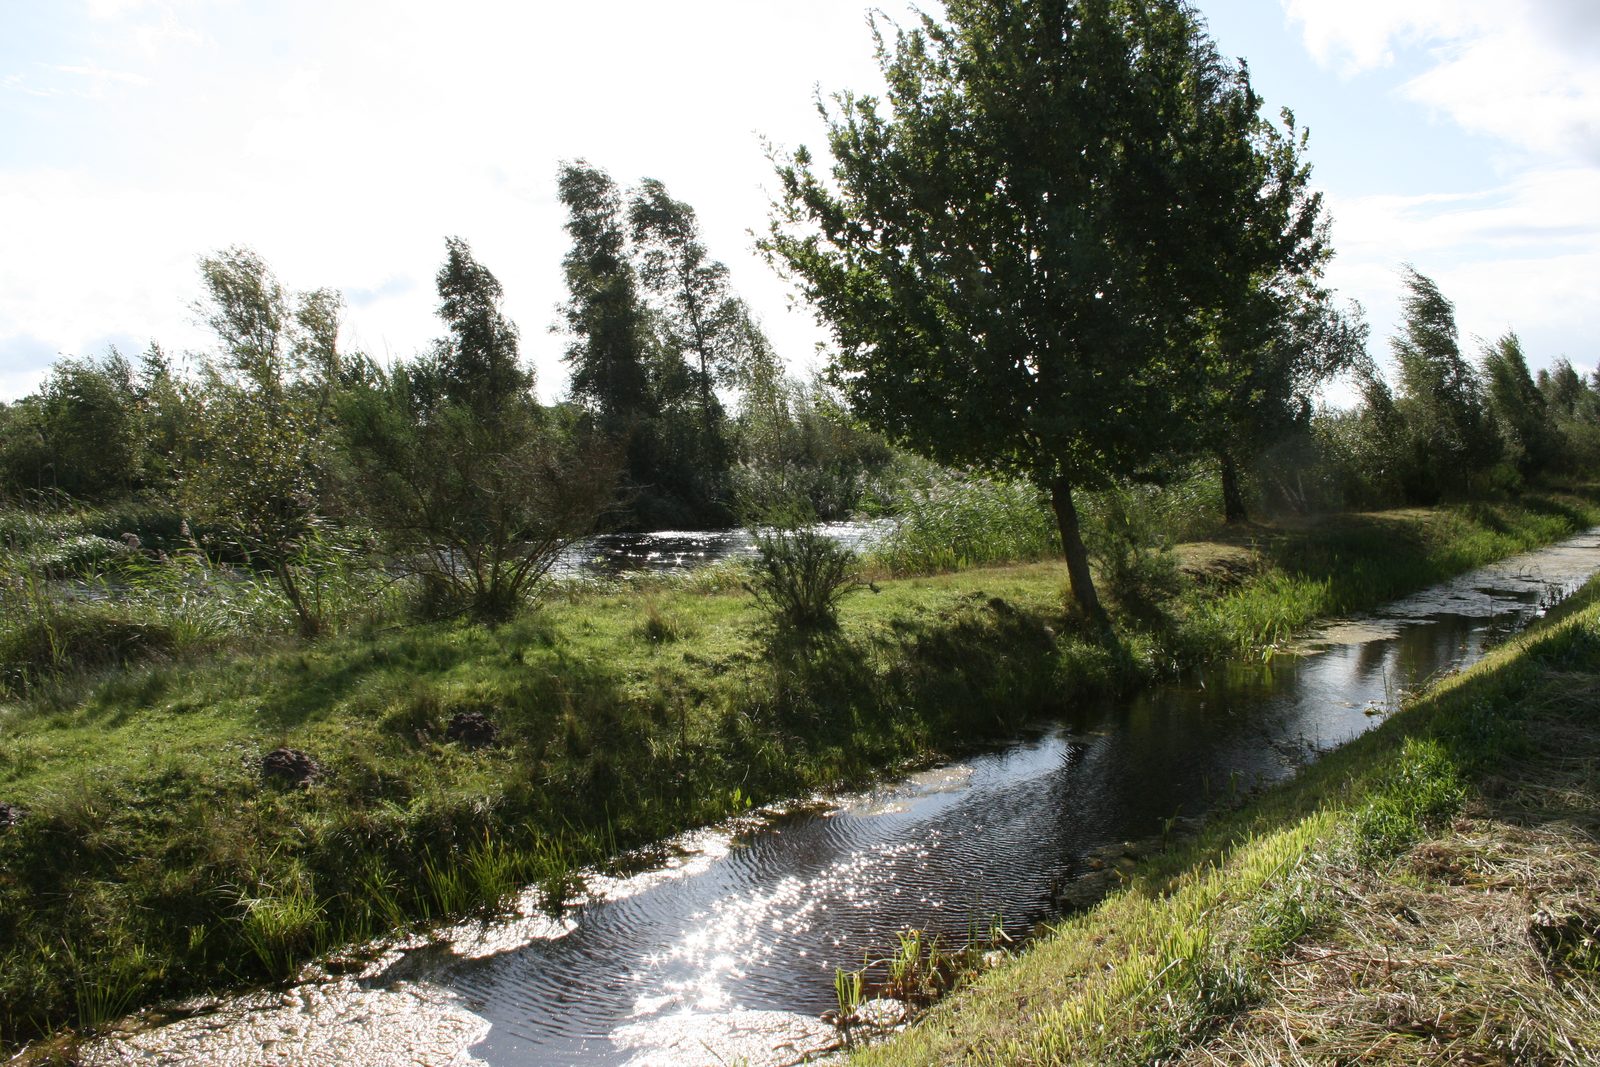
x=679, y=551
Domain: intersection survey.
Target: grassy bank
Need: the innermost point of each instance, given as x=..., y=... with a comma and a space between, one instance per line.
x=153, y=858
x=1426, y=894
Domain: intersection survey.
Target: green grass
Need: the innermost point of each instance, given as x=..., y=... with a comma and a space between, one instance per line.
x=154, y=861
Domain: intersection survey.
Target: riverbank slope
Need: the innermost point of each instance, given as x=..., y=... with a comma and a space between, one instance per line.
x=147, y=852
x=1426, y=894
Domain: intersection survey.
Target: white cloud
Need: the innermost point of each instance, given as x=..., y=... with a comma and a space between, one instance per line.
x=344, y=147
x=1525, y=73
x=95, y=82
x=1525, y=254
x=1502, y=255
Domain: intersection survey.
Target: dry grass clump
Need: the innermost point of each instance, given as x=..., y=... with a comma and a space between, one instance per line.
x=1477, y=947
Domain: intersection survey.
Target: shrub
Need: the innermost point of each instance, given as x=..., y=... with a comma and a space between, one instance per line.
x=801, y=575
x=1126, y=539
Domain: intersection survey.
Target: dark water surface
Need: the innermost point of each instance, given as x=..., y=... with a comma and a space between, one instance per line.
x=678, y=551
x=730, y=948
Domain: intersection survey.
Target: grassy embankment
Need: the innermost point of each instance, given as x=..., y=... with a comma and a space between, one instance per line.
x=154, y=860
x=1429, y=893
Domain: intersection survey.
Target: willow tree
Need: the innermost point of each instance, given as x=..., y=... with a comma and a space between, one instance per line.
x=1448, y=434
x=261, y=428
x=473, y=485
x=1284, y=343
x=1021, y=248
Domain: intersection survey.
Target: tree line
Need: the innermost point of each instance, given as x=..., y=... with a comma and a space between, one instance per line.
x=1067, y=245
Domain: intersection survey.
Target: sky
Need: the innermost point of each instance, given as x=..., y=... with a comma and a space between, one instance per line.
x=345, y=141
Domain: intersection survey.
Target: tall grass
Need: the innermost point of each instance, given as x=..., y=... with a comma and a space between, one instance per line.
x=75, y=602
x=955, y=520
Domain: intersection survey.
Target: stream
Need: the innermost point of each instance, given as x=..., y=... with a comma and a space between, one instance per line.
x=723, y=950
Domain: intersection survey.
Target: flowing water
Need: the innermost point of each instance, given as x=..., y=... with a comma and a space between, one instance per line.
x=724, y=951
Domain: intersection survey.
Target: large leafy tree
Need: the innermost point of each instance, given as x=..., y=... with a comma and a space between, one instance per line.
x=1021, y=250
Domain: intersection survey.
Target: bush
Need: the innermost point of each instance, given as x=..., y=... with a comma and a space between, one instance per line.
x=801, y=575
x=1129, y=544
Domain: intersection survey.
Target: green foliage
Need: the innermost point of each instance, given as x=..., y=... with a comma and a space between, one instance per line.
x=655, y=331
x=1284, y=342
x=796, y=442
x=81, y=556
x=90, y=432
x=262, y=429
x=282, y=928
x=1443, y=427
x=700, y=318
x=1131, y=548
x=43, y=638
x=472, y=486
x=981, y=246
x=1291, y=910
x=477, y=367
x=1518, y=407
x=1573, y=406
x=612, y=344
x=1424, y=788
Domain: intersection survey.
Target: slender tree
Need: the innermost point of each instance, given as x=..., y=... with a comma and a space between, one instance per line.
x=703, y=319
x=1440, y=399
x=608, y=323
x=1020, y=248
x=478, y=364
x=1518, y=407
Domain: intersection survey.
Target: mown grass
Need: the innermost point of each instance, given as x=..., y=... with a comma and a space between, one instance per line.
x=154, y=860
x=1353, y=914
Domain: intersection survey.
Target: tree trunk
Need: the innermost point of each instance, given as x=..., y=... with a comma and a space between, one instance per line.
x=1083, y=591
x=1233, y=509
